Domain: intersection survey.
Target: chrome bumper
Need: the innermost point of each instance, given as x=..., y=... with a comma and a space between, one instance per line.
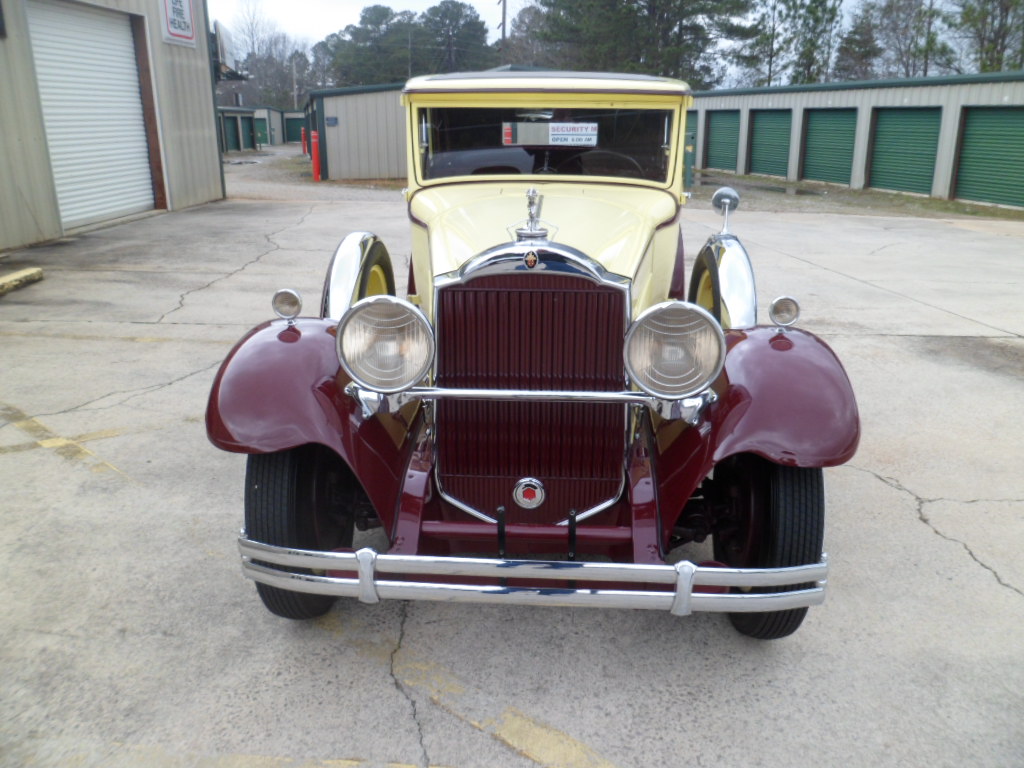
x=682, y=578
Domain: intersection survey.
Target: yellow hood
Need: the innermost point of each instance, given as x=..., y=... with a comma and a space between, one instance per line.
x=611, y=223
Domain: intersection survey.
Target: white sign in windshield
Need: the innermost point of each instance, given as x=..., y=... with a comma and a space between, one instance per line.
x=573, y=134
x=549, y=134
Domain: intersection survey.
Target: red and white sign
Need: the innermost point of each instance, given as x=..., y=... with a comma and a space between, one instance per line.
x=179, y=22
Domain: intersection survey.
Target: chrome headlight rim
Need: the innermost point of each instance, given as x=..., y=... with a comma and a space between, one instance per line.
x=415, y=313
x=706, y=381
x=777, y=311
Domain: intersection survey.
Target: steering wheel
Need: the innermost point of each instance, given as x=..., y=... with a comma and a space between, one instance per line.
x=604, y=160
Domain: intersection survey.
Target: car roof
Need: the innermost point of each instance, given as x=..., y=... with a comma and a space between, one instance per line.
x=549, y=81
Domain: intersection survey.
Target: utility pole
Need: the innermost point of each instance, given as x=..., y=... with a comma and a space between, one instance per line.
x=504, y=12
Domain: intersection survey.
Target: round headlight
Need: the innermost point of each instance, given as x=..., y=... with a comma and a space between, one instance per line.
x=385, y=344
x=287, y=304
x=674, y=350
x=784, y=311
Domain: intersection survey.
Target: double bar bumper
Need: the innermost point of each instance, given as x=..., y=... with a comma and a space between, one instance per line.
x=681, y=595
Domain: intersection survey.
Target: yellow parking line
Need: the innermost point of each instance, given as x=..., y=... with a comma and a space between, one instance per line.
x=44, y=437
x=541, y=743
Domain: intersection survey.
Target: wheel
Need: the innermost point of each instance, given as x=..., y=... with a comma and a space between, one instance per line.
x=705, y=290
x=297, y=498
x=603, y=162
x=770, y=517
x=377, y=277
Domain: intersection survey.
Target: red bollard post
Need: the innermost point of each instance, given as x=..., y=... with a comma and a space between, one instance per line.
x=315, y=153
x=305, y=150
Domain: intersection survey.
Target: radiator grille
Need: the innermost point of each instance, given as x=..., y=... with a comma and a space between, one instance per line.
x=534, y=332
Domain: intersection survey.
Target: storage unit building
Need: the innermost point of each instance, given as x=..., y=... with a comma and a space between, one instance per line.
x=361, y=131
x=957, y=136
x=107, y=112
x=269, y=125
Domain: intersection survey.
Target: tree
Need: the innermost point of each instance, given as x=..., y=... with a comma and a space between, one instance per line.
x=524, y=45
x=994, y=33
x=858, y=48
x=459, y=37
x=763, y=59
x=675, y=38
x=912, y=35
x=813, y=28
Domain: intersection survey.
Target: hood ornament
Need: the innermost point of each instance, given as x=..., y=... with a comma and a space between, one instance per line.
x=533, y=229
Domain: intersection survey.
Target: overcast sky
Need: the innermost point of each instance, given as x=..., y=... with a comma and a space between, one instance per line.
x=313, y=20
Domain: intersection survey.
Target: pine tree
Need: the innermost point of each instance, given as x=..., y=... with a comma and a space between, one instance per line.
x=858, y=48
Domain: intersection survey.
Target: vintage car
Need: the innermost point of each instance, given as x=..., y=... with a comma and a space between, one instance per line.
x=549, y=416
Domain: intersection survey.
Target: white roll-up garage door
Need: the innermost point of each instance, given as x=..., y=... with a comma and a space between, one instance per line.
x=92, y=108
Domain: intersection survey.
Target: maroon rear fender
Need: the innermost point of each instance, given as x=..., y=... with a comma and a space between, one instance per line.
x=282, y=387
x=787, y=398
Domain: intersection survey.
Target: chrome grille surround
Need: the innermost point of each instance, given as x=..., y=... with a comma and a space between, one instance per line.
x=507, y=263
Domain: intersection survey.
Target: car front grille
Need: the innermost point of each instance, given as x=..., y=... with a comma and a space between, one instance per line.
x=530, y=331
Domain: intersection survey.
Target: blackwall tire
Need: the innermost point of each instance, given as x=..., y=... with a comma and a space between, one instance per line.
x=294, y=498
x=776, y=520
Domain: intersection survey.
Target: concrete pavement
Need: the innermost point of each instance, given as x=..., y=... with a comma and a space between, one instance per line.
x=129, y=637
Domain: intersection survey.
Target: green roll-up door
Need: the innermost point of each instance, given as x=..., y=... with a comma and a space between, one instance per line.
x=904, y=148
x=991, y=167
x=828, y=144
x=769, y=141
x=261, y=130
x=247, y=133
x=691, y=121
x=231, y=142
x=293, y=128
x=723, y=139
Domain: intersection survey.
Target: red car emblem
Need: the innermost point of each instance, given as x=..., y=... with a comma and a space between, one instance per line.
x=528, y=493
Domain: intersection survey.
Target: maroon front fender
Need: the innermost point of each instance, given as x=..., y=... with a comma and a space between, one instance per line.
x=787, y=398
x=782, y=396
x=282, y=387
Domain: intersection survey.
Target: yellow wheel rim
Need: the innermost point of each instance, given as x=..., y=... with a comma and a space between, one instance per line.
x=376, y=281
x=706, y=297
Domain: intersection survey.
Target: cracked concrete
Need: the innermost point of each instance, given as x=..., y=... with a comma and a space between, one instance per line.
x=403, y=689
x=128, y=636
x=921, y=506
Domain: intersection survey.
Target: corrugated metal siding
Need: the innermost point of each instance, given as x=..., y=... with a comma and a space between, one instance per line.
x=723, y=139
x=991, y=165
x=369, y=140
x=903, y=150
x=89, y=89
x=28, y=203
x=769, y=141
x=828, y=144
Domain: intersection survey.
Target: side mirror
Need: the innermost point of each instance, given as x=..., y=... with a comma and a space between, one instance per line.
x=725, y=197
x=724, y=200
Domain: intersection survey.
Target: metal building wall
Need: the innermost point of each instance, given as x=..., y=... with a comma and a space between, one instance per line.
x=368, y=141
x=185, y=125
x=28, y=200
x=952, y=94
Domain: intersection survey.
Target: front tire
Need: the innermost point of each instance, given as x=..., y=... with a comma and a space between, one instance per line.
x=774, y=517
x=296, y=498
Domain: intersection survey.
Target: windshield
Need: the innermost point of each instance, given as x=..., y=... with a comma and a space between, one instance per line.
x=631, y=143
